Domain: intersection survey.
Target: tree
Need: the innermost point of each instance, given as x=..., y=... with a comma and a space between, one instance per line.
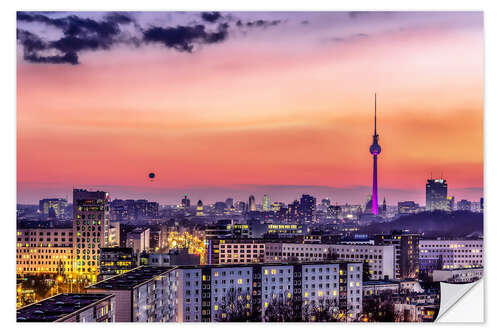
x=237, y=308
x=326, y=310
x=280, y=309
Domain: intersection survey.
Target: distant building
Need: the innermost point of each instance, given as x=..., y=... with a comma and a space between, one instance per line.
x=138, y=239
x=457, y=275
x=116, y=260
x=114, y=234
x=229, y=203
x=464, y=205
x=199, y=208
x=266, y=203
x=407, y=207
x=185, y=202
x=436, y=195
x=307, y=209
x=173, y=258
x=450, y=254
x=53, y=208
x=220, y=207
x=251, y=204
x=70, y=308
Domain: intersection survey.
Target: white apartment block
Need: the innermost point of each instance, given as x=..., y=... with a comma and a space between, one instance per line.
x=44, y=250
x=450, y=254
x=380, y=258
x=199, y=293
x=241, y=253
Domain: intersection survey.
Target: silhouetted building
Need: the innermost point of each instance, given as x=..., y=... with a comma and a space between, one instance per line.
x=292, y=215
x=436, y=195
x=185, y=202
x=464, y=205
x=407, y=207
x=307, y=208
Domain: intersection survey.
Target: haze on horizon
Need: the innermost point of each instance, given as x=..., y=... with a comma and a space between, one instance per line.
x=282, y=101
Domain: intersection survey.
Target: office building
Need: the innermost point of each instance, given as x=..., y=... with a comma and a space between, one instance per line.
x=307, y=209
x=251, y=204
x=138, y=239
x=199, y=208
x=53, y=208
x=116, y=260
x=450, y=254
x=266, y=203
x=91, y=214
x=408, y=207
x=406, y=247
x=436, y=195
x=45, y=250
x=457, y=275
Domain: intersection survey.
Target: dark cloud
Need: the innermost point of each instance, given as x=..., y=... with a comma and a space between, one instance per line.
x=80, y=34
x=349, y=38
x=262, y=23
x=211, y=16
x=184, y=38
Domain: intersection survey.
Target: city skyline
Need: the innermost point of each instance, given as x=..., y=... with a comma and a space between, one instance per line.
x=242, y=102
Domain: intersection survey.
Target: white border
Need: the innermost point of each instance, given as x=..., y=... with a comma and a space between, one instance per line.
x=8, y=123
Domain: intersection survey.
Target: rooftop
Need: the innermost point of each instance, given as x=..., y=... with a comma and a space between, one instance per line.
x=142, y=274
x=57, y=307
x=131, y=278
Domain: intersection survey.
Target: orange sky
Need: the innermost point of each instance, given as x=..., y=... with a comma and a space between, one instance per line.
x=254, y=111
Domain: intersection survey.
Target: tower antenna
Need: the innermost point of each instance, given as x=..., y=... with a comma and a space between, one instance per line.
x=375, y=114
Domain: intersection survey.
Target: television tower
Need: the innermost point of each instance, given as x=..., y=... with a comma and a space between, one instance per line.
x=375, y=150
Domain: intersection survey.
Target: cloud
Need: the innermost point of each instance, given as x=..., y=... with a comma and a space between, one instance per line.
x=349, y=38
x=184, y=38
x=258, y=23
x=80, y=34
x=211, y=16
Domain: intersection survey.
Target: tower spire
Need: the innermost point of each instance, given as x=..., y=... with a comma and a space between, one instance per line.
x=375, y=131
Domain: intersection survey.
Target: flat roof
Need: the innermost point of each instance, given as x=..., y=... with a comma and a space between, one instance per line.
x=57, y=307
x=131, y=279
x=143, y=274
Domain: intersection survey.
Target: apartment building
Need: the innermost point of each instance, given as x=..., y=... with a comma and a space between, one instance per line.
x=44, y=250
x=201, y=293
x=70, y=308
x=450, y=254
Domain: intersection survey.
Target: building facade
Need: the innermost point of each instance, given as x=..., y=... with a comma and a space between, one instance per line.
x=45, y=250
x=91, y=213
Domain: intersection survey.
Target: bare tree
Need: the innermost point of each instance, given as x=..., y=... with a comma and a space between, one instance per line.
x=237, y=308
x=280, y=309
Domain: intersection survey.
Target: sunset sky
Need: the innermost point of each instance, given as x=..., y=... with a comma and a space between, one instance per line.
x=231, y=104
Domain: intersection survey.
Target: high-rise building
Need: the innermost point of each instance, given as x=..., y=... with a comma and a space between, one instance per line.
x=185, y=202
x=375, y=150
x=307, y=208
x=251, y=204
x=436, y=195
x=229, y=203
x=406, y=246
x=53, y=208
x=90, y=229
x=266, y=203
x=292, y=215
